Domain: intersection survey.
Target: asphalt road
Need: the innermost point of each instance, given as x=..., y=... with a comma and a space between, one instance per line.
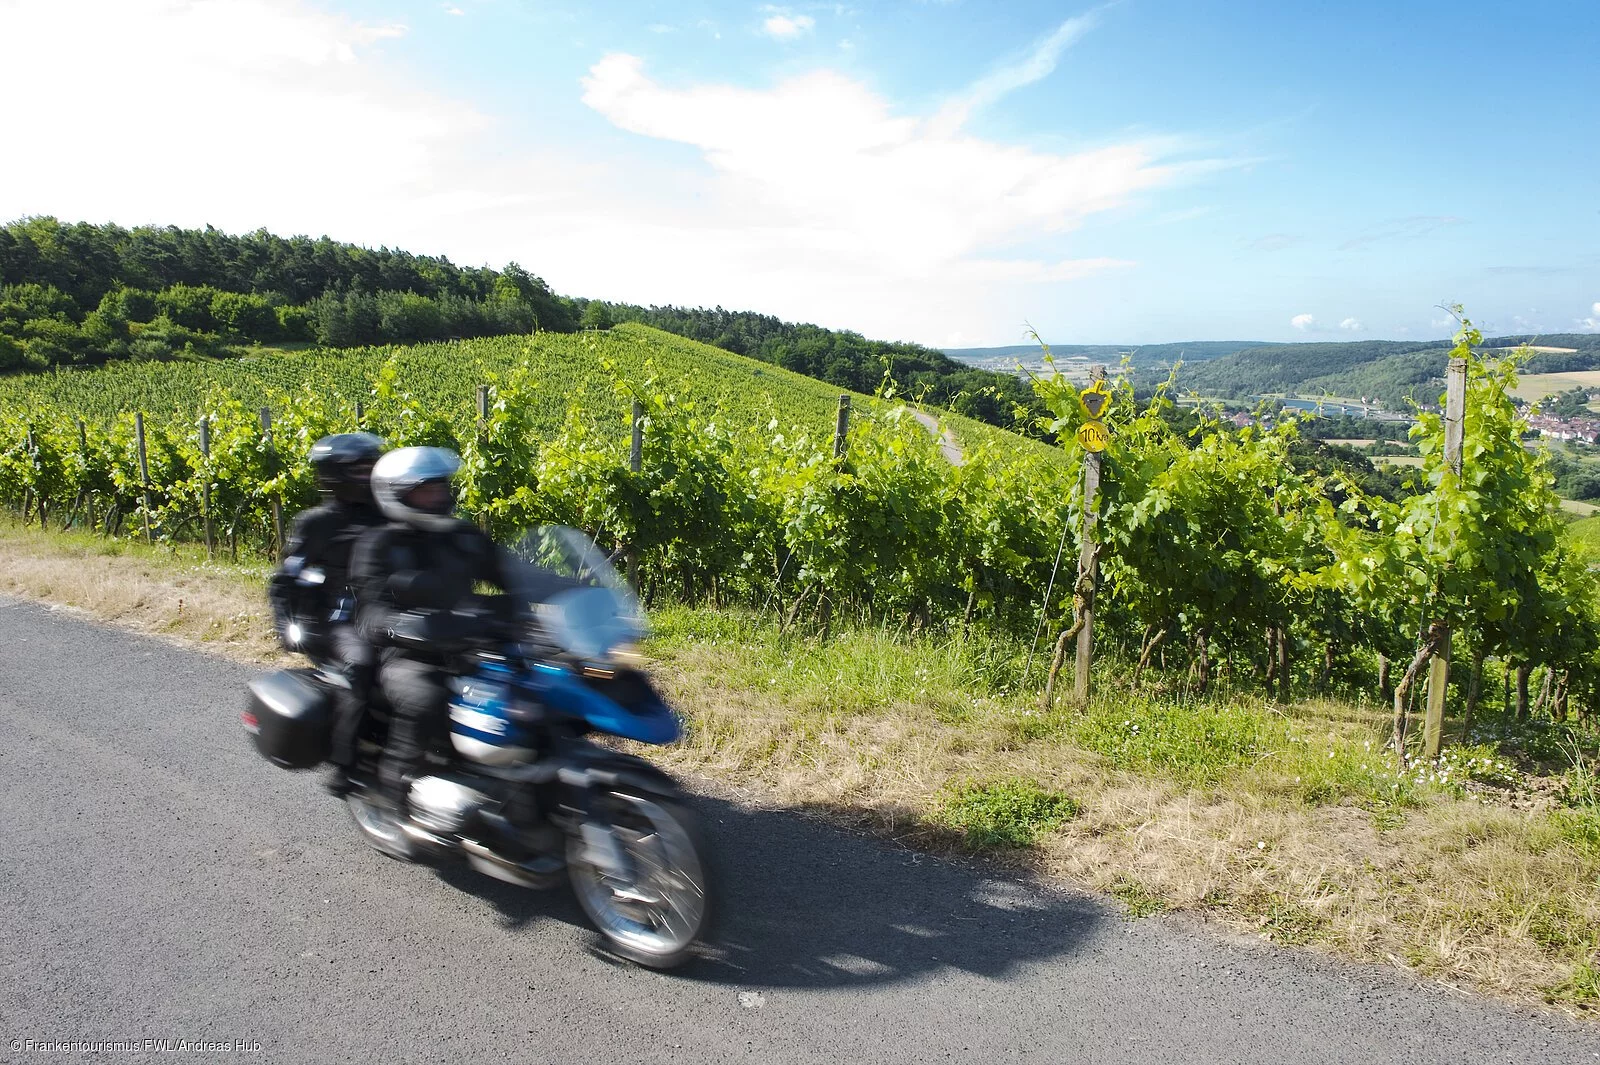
x=160, y=881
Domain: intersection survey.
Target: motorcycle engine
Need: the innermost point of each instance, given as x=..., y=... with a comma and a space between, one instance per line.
x=444, y=804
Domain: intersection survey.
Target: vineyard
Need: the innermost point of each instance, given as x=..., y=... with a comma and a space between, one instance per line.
x=1216, y=563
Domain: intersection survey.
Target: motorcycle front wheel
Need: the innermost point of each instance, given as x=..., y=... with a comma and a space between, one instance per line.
x=657, y=913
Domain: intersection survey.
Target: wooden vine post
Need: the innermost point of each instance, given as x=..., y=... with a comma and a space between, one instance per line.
x=32, y=448
x=483, y=429
x=1093, y=437
x=1455, y=404
x=144, y=476
x=841, y=427
x=205, y=486
x=635, y=466
x=1088, y=554
x=277, y=499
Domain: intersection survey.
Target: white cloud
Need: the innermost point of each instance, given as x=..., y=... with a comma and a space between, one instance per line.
x=1037, y=64
x=1352, y=325
x=873, y=186
x=284, y=110
x=888, y=221
x=785, y=27
x=1304, y=322
x=1592, y=323
x=451, y=9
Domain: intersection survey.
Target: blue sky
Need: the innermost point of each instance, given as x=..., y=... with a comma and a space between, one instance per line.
x=946, y=172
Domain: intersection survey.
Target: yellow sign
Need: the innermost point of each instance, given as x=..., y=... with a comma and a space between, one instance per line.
x=1095, y=398
x=1093, y=436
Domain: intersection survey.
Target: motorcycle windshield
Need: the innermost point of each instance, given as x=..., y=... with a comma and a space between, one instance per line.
x=585, y=605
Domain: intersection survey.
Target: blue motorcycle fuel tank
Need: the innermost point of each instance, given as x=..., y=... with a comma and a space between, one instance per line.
x=483, y=727
x=566, y=693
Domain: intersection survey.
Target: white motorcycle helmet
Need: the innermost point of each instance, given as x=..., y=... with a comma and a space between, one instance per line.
x=412, y=485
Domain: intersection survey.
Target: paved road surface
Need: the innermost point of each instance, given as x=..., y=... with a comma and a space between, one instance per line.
x=160, y=881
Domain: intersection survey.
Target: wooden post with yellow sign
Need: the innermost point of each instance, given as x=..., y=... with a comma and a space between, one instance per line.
x=1455, y=412
x=1093, y=436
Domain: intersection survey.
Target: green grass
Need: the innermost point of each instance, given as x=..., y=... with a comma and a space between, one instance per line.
x=1196, y=742
x=1586, y=530
x=1006, y=813
x=859, y=670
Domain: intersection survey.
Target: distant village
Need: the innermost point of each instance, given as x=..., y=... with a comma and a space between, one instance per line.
x=1581, y=430
x=1577, y=429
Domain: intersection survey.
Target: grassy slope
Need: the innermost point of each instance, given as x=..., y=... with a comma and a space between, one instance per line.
x=1287, y=824
x=1587, y=528
x=569, y=366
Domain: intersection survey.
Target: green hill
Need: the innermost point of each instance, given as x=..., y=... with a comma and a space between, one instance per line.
x=1394, y=372
x=446, y=375
x=78, y=295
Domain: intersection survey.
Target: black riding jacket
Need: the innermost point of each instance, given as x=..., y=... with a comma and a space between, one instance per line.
x=322, y=537
x=401, y=574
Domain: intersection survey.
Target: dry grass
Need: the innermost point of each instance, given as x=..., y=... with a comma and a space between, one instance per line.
x=1537, y=386
x=176, y=595
x=1287, y=826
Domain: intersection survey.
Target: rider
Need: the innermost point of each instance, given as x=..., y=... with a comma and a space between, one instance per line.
x=409, y=576
x=310, y=591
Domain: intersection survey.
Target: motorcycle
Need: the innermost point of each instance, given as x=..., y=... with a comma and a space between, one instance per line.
x=522, y=791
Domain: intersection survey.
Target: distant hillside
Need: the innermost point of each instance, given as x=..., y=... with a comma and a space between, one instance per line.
x=1143, y=354
x=1393, y=372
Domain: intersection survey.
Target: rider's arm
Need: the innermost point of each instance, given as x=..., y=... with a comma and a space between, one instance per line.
x=305, y=547
x=369, y=580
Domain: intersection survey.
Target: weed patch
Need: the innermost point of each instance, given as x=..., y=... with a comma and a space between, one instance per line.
x=1008, y=813
x=1287, y=921
x=1581, y=989
x=1136, y=898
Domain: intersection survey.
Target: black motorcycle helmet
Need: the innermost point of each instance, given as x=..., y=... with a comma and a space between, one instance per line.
x=343, y=464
